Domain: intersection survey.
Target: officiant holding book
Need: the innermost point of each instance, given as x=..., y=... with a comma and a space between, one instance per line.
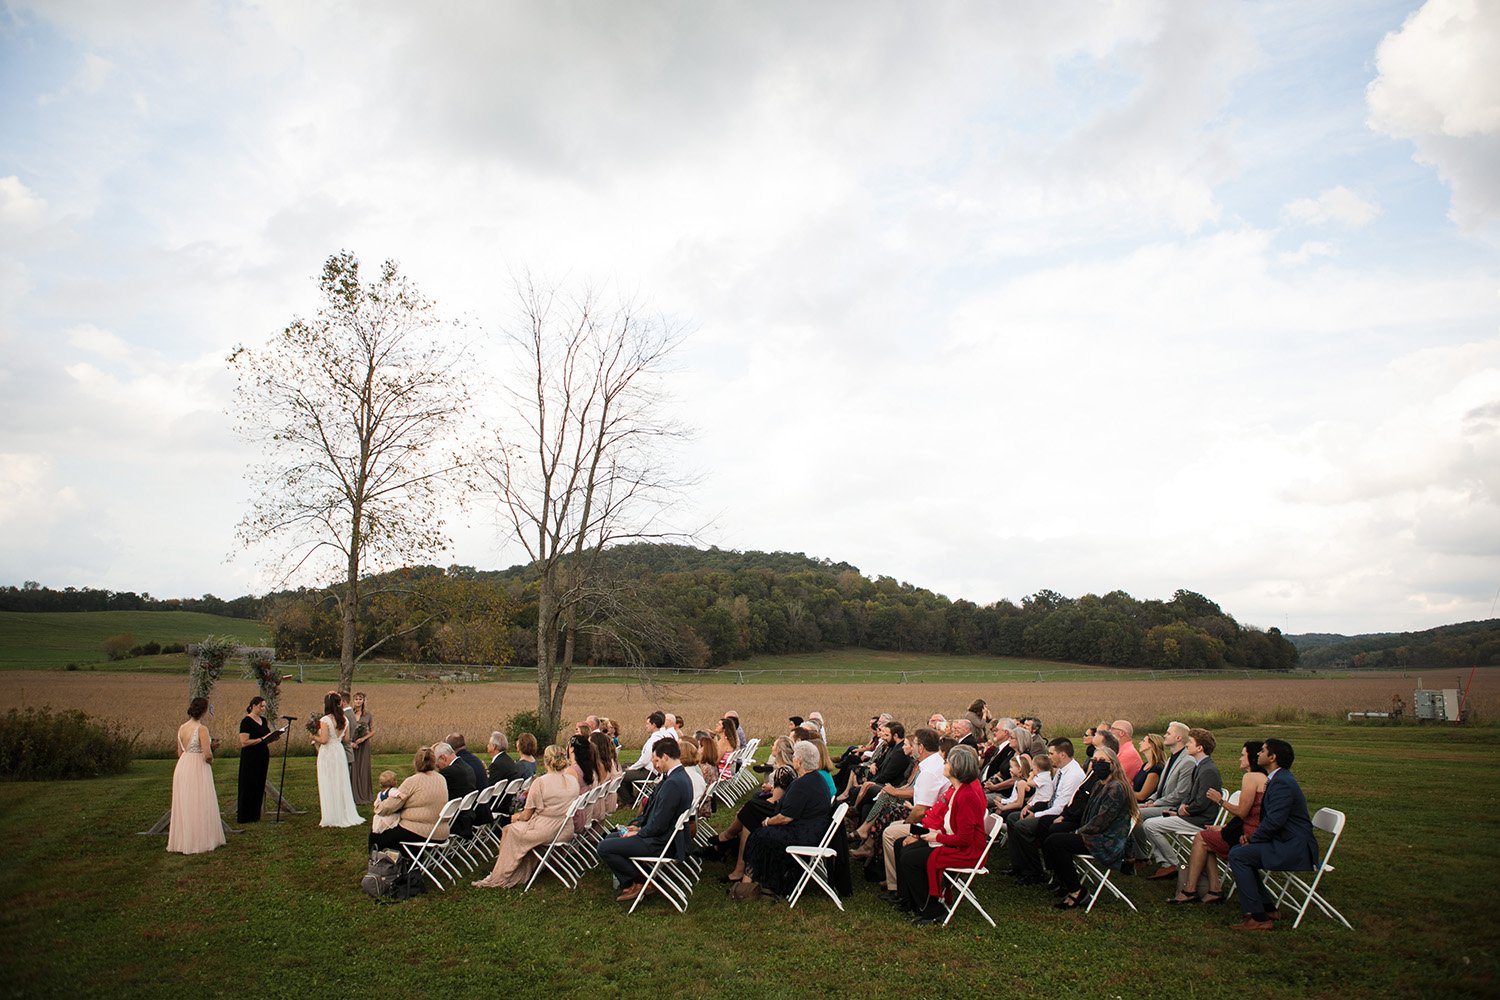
x=255, y=759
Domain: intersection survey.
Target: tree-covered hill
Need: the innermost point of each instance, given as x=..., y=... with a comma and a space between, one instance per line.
x=1455, y=647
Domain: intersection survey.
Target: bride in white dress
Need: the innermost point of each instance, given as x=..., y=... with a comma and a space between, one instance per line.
x=334, y=792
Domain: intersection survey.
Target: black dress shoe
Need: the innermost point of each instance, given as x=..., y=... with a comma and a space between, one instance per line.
x=890, y=896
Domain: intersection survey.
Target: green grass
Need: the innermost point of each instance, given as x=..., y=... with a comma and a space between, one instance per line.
x=42, y=641
x=93, y=908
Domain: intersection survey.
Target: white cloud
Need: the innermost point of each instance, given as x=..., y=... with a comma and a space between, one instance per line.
x=1437, y=86
x=20, y=207
x=1337, y=204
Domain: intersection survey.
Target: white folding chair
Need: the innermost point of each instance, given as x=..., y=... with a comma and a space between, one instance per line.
x=429, y=850
x=1095, y=874
x=550, y=858
x=456, y=847
x=673, y=879
x=479, y=840
x=814, y=861
x=1292, y=884
x=645, y=787
x=961, y=880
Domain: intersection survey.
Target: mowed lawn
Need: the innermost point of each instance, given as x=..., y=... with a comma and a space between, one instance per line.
x=93, y=909
x=38, y=641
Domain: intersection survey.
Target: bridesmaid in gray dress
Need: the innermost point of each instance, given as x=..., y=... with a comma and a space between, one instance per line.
x=360, y=776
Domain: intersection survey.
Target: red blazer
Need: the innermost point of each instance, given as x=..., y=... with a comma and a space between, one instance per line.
x=965, y=807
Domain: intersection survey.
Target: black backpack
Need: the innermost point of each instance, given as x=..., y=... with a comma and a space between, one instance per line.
x=391, y=878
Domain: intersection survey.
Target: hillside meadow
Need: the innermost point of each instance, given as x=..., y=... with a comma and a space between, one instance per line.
x=92, y=909
x=410, y=714
x=38, y=640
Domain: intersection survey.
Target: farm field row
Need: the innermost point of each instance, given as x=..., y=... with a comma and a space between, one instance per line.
x=408, y=715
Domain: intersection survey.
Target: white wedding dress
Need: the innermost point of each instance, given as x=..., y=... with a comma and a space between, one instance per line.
x=334, y=793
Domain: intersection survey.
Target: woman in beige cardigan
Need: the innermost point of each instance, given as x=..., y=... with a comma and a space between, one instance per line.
x=418, y=802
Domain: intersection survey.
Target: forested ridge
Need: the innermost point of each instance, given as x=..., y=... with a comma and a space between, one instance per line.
x=718, y=605
x=1455, y=647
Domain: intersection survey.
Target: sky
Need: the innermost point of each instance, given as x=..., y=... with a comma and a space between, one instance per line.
x=989, y=298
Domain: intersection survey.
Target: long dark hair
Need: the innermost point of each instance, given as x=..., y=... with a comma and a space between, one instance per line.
x=1252, y=751
x=331, y=707
x=605, y=748
x=587, y=756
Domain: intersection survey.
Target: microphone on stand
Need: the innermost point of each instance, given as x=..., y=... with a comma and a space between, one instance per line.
x=290, y=718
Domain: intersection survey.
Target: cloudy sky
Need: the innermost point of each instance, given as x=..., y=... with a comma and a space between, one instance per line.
x=986, y=297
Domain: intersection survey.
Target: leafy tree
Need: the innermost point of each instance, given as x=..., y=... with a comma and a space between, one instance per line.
x=351, y=408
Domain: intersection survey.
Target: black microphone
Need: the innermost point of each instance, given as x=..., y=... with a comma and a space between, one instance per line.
x=290, y=718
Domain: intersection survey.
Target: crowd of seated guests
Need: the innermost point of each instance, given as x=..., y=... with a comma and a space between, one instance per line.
x=920, y=801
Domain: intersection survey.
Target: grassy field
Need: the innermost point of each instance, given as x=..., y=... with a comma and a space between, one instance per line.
x=94, y=909
x=41, y=641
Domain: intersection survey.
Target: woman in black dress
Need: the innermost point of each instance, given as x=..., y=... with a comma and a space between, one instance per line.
x=801, y=819
x=255, y=759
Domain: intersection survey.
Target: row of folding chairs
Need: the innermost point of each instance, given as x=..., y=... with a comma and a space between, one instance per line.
x=570, y=854
x=440, y=860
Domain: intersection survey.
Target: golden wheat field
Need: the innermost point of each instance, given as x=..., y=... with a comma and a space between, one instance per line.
x=409, y=715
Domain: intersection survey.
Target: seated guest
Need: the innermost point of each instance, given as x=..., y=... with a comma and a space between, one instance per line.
x=979, y=715
x=1028, y=826
x=1042, y=780
x=656, y=729
x=938, y=724
x=955, y=837
x=475, y=765
x=533, y=828
x=458, y=775
x=708, y=757
x=891, y=767
x=1193, y=814
x=502, y=767
x=1284, y=841
x=688, y=756
x=1102, y=833
x=1014, y=797
x=610, y=728
x=963, y=733
x=417, y=803
x=609, y=762
x=652, y=832
x=729, y=741
x=892, y=804
x=801, y=819
x=759, y=807
x=1130, y=760
x=1217, y=840
x=1148, y=778
x=586, y=768
x=929, y=784
x=526, y=754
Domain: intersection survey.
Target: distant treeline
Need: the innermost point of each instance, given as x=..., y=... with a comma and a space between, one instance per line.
x=32, y=596
x=1452, y=647
x=721, y=606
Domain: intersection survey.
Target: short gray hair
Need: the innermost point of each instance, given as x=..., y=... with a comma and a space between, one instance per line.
x=499, y=742
x=1180, y=728
x=806, y=754
x=968, y=726
x=443, y=750
x=963, y=764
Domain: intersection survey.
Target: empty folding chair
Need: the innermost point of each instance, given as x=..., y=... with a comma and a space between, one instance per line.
x=961, y=880
x=814, y=861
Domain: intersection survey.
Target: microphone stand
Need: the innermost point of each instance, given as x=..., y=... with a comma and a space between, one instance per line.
x=286, y=744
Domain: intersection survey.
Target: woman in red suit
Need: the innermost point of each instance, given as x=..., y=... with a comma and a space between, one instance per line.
x=954, y=838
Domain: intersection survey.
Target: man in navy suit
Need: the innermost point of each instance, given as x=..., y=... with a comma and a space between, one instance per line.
x=648, y=835
x=1284, y=841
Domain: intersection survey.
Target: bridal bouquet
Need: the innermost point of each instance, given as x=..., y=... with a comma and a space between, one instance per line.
x=313, y=721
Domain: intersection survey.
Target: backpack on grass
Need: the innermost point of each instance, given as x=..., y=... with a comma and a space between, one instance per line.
x=391, y=878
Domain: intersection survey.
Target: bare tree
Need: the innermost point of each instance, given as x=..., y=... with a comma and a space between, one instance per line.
x=351, y=408
x=585, y=469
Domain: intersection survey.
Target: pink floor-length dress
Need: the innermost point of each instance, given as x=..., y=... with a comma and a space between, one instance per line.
x=196, y=826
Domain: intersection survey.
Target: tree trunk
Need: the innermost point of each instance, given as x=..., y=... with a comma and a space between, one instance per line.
x=350, y=615
x=546, y=649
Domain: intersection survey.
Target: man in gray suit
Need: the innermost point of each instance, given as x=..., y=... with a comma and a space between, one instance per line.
x=1171, y=791
x=1193, y=814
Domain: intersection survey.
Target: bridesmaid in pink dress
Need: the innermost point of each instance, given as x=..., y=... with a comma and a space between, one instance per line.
x=196, y=826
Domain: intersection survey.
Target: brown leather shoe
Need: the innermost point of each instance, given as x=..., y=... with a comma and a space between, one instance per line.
x=629, y=894
x=1163, y=873
x=1251, y=924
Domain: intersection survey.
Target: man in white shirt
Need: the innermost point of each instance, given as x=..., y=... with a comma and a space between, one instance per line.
x=925, y=791
x=1026, y=828
x=656, y=729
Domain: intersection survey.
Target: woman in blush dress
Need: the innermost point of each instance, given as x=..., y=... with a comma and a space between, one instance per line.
x=334, y=793
x=609, y=760
x=546, y=806
x=196, y=826
x=364, y=724
x=1244, y=820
